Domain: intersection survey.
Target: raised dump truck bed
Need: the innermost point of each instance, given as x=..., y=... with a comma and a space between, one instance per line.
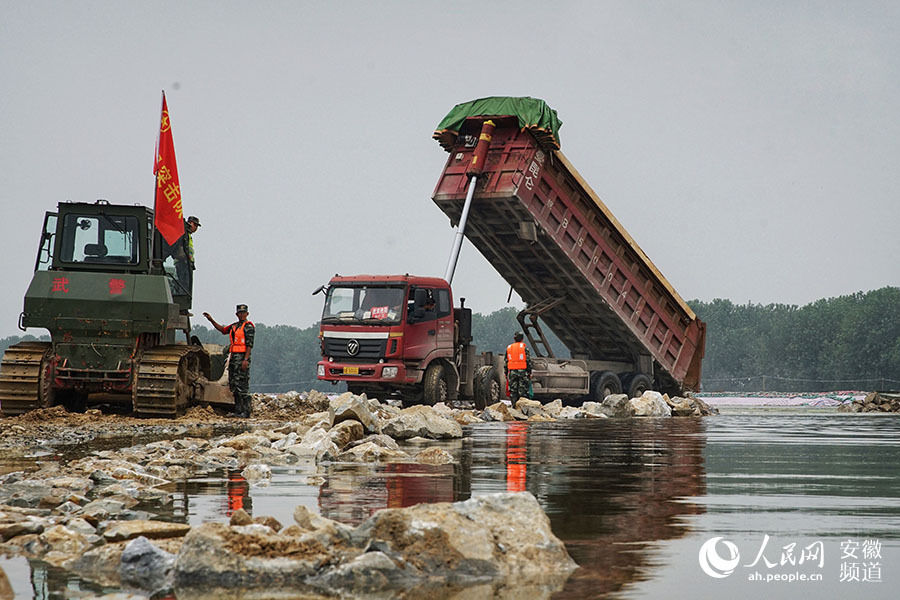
x=553, y=240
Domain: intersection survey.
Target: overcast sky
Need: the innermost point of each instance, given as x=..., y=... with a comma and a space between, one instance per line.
x=752, y=149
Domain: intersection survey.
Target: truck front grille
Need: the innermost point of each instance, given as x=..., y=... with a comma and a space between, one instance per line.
x=368, y=349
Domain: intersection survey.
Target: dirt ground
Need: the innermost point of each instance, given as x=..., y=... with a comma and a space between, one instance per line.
x=50, y=428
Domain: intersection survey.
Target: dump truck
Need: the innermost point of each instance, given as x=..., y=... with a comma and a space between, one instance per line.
x=521, y=203
x=384, y=334
x=116, y=306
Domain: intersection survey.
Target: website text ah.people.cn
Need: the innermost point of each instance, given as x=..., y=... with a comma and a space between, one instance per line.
x=857, y=561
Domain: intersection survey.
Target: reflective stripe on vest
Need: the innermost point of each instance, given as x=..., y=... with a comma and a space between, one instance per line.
x=238, y=342
x=515, y=356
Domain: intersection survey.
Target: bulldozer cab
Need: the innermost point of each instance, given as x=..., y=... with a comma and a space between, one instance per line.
x=96, y=237
x=101, y=237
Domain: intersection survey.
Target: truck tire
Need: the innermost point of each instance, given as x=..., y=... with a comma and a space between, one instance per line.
x=487, y=387
x=638, y=384
x=435, y=384
x=603, y=384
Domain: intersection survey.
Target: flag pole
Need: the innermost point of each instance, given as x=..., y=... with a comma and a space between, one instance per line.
x=162, y=103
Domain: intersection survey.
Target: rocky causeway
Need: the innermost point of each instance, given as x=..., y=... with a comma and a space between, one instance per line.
x=94, y=505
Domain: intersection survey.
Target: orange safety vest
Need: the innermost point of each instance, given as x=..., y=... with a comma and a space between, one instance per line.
x=238, y=343
x=515, y=356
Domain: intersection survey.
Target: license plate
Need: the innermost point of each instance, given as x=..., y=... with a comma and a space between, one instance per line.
x=351, y=370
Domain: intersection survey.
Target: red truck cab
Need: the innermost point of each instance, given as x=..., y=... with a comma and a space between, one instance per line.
x=381, y=333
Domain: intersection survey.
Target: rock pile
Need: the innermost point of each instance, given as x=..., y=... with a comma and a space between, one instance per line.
x=650, y=404
x=493, y=541
x=97, y=515
x=873, y=402
x=82, y=510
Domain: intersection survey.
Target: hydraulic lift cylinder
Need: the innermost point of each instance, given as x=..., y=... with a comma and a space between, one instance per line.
x=475, y=168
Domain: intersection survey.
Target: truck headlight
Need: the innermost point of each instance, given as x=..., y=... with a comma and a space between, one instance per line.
x=389, y=372
x=320, y=371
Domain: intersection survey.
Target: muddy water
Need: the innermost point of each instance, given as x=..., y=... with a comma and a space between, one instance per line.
x=791, y=493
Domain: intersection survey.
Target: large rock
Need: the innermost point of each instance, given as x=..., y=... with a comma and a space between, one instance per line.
x=345, y=432
x=316, y=444
x=421, y=421
x=25, y=527
x=499, y=411
x=503, y=536
x=246, y=441
x=616, y=405
x=214, y=554
x=553, y=408
x=682, y=407
x=145, y=566
x=348, y=406
x=372, y=452
x=379, y=439
x=326, y=530
x=257, y=472
x=530, y=408
x=650, y=404
x=316, y=401
x=61, y=543
x=594, y=410
x=571, y=412
x=127, y=530
x=499, y=540
x=365, y=575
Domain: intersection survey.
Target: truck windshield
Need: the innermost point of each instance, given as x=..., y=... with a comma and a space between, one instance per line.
x=100, y=239
x=364, y=304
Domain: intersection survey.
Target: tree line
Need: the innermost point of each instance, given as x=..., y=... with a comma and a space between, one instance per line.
x=848, y=342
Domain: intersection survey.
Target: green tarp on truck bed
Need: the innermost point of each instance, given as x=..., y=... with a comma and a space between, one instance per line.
x=533, y=114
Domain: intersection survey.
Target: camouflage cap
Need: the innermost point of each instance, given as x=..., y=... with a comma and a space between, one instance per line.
x=241, y=308
x=194, y=220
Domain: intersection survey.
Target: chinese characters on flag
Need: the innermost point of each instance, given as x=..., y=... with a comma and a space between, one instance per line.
x=169, y=216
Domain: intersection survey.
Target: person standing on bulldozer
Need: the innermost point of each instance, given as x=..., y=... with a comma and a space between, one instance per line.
x=241, y=333
x=518, y=368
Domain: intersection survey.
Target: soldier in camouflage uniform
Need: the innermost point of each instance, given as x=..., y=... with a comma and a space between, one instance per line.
x=518, y=368
x=242, y=333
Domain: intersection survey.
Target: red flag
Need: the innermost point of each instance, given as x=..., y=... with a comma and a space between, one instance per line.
x=169, y=216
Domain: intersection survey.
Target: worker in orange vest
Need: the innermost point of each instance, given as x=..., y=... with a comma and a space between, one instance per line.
x=242, y=333
x=518, y=368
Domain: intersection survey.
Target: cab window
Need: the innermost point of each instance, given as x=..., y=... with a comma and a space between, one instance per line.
x=443, y=303
x=100, y=239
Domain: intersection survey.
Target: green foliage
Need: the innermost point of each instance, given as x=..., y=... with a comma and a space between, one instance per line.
x=848, y=342
x=494, y=332
x=15, y=339
x=284, y=357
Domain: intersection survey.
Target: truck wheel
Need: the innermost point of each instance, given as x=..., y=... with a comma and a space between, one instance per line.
x=603, y=384
x=639, y=384
x=487, y=387
x=435, y=384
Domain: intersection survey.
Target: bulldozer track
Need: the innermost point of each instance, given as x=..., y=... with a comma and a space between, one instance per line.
x=163, y=385
x=20, y=378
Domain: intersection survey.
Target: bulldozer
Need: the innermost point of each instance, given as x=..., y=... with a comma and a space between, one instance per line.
x=116, y=302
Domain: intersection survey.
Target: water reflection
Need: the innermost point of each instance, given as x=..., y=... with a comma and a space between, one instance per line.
x=237, y=491
x=607, y=486
x=632, y=499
